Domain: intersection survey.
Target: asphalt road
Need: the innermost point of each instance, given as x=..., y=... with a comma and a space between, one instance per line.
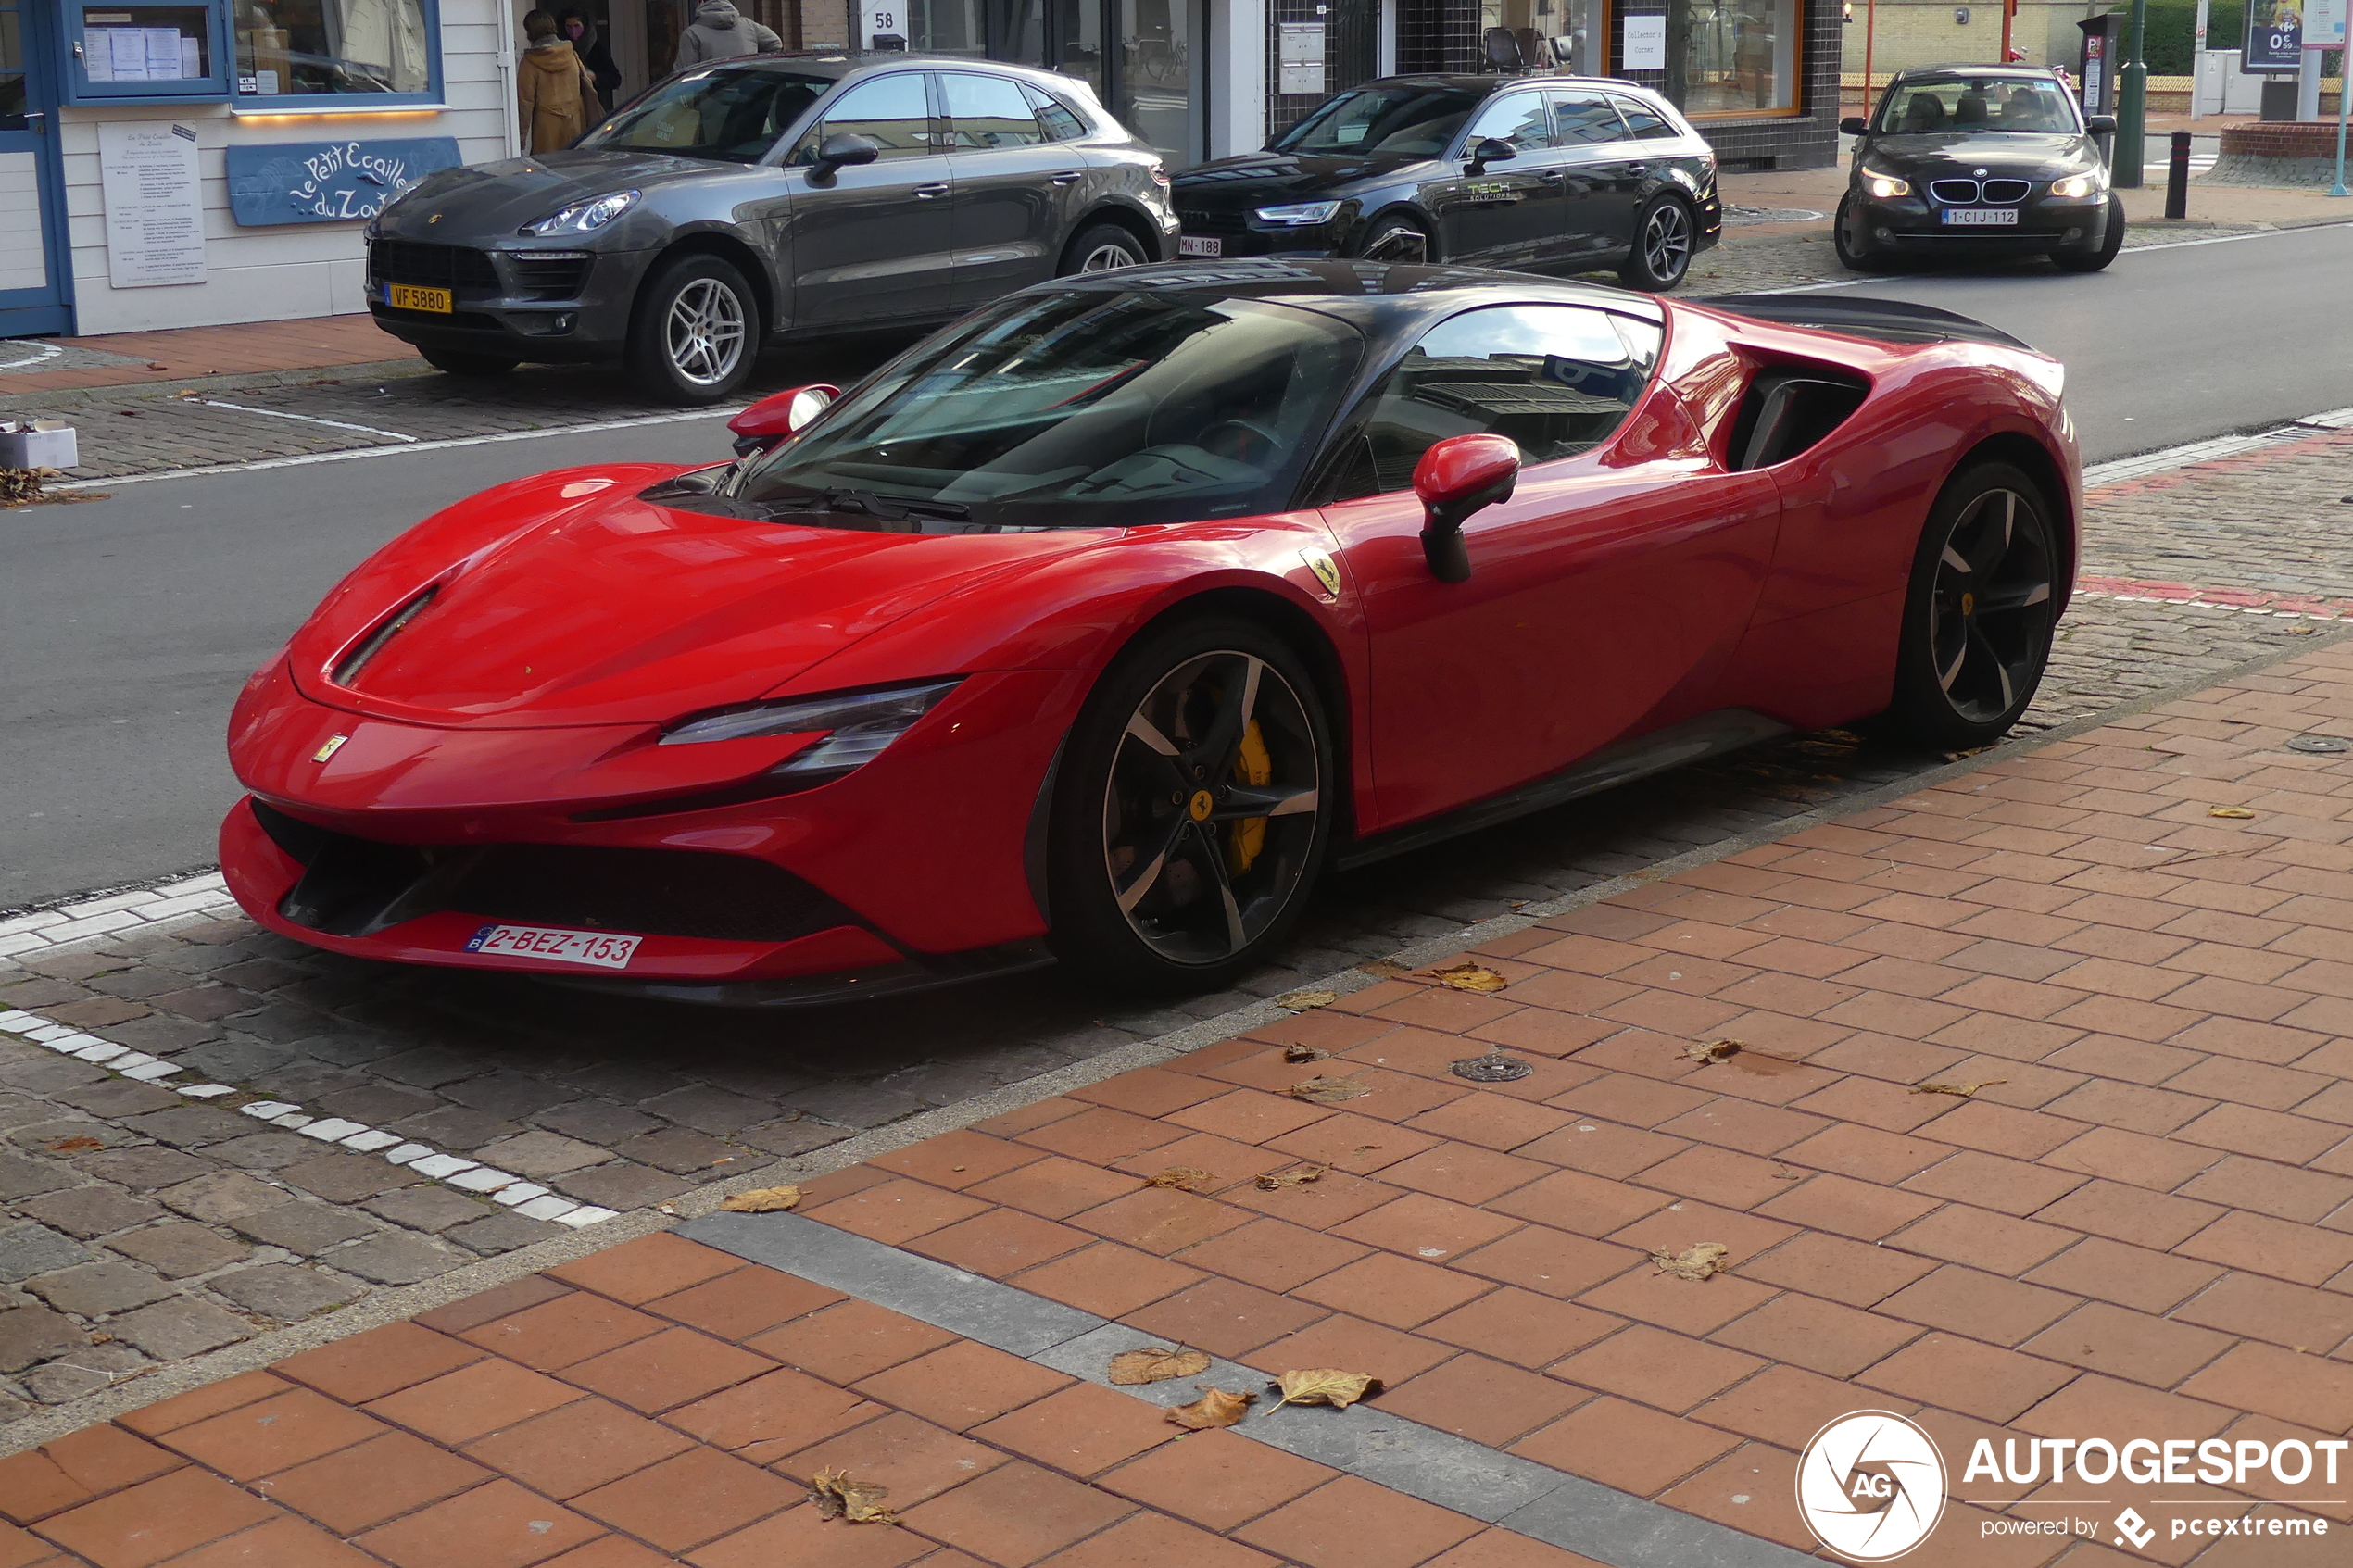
x=132, y=620
x=2178, y=343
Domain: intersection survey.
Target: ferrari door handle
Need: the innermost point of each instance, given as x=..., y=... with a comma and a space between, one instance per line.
x=925, y=193
x=1071, y=178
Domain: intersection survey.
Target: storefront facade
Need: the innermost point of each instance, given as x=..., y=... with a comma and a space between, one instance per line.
x=195, y=162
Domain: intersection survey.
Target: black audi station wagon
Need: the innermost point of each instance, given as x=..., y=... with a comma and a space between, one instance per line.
x=1538, y=174
x=1978, y=160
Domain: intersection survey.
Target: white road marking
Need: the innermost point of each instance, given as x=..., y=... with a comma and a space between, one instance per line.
x=41, y=352
x=306, y=419
x=447, y=444
x=1867, y=280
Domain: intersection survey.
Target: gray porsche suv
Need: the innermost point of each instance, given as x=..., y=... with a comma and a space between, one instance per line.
x=753, y=200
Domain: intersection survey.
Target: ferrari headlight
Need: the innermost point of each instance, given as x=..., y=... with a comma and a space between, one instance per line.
x=860, y=725
x=584, y=218
x=2085, y=184
x=1885, y=187
x=1298, y=215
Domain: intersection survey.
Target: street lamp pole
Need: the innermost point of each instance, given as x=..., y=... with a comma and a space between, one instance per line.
x=2131, y=103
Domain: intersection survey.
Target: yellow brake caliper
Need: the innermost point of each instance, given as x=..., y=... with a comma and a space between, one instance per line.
x=1252, y=766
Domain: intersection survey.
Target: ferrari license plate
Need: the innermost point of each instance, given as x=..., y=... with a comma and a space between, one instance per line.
x=1982, y=217
x=407, y=296
x=599, y=949
x=1199, y=245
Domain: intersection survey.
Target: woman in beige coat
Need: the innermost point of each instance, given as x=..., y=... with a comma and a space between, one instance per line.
x=554, y=86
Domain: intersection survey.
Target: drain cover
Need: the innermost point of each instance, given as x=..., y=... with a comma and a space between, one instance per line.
x=1496, y=1069
x=2320, y=743
x=1769, y=214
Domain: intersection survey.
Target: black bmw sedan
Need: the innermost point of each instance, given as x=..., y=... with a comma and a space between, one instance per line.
x=1976, y=160
x=1540, y=173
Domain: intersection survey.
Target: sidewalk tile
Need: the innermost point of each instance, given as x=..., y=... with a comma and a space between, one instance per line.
x=695, y=1496
x=1225, y=1317
x=1962, y=1374
x=498, y=1302
x=747, y=1302
x=156, y=1519
x=1216, y=1479
x=1484, y=1401
x=1053, y=1187
x=669, y=1368
x=1741, y=1489
x=962, y=1384
x=1273, y=1254
x=802, y=1538
x=960, y=1160
x=613, y=1552
x=2130, y=1276
x=2094, y=1403
x=1781, y=1405
x=1161, y=1220
x=2014, y=1186
x=1676, y=1226
x=1521, y=1327
x=1107, y=1279
x=1016, y=1514
x=636, y=1271
x=2131, y=1214
x=1351, y=1344
x=2122, y=1343
x=1082, y=1430
x=1588, y=1205
x=778, y=1414
x=913, y=1458
x=1996, y=1243
x=577, y=1447
x=1153, y=1539
x=1401, y=1292
x=1502, y=1549
x=383, y=1361
x=1666, y=1370
x=897, y=1211
x=1999, y=1311
x=495, y=1526
x=2264, y=1378
x=1649, y=1295
x=1464, y=1173
x=1503, y=1125
x=1819, y=1336
x=1845, y=1207
x=848, y=1341
x=461, y=1406
x=2264, y=1246
x=559, y=1332
x=2293, y=1315
x=1602, y=1149
x=367, y=1484
x=1352, y=1523
x=1001, y=1242
x=75, y=1468
x=184, y=1409
x=1548, y=1261
x=1832, y=1266
x=1626, y=1446
x=261, y=1440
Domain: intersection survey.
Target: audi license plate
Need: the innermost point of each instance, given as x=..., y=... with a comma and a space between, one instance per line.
x=1982, y=217
x=1199, y=245
x=600, y=949
x=407, y=296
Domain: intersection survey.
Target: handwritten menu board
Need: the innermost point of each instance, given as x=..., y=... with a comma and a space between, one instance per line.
x=155, y=214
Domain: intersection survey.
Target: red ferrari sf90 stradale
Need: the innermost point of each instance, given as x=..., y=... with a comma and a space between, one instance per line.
x=1095, y=625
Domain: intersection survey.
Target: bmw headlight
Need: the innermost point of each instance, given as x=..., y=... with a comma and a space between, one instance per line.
x=860, y=725
x=1298, y=215
x=2088, y=183
x=584, y=218
x=1885, y=187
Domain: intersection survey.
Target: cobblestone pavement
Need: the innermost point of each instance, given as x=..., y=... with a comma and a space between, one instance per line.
x=142, y=1225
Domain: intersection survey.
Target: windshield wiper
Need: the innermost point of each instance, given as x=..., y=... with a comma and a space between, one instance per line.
x=898, y=508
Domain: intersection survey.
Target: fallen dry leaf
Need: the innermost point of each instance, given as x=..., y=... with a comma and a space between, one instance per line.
x=1298, y=1176
x=1694, y=1262
x=1184, y=1178
x=1327, y=1091
x=1785, y=1175
x=1215, y=1408
x=1384, y=968
x=1469, y=977
x=1304, y=1053
x=763, y=1200
x=1964, y=1090
x=2239, y=814
x=1300, y=1001
x=73, y=1145
x=1712, y=1052
x=1156, y=1363
x=856, y=1503
x=1324, y=1385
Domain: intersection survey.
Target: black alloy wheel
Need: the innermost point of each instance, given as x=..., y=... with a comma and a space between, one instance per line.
x=1980, y=615
x=1192, y=809
x=2111, y=241
x=1396, y=239
x=1851, y=237
x=1665, y=239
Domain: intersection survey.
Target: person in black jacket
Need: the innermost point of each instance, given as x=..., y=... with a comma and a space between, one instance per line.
x=594, y=53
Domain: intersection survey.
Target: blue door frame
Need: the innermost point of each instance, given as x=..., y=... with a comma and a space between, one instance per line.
x=48, y=308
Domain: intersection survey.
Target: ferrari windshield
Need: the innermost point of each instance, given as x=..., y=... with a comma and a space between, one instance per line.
x=729, y=116
x=1922, y=105
x=1087, y=408
x=1395, y=119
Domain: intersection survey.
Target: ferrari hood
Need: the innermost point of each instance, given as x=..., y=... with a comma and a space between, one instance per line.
x=623, y=610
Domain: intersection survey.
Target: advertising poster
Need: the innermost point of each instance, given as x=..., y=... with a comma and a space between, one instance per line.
x=2274, y=36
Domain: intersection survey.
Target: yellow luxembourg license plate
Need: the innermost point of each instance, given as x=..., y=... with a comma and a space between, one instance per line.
x=407, y=298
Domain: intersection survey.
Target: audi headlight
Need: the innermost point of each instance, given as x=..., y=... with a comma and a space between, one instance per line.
x=1298, y=215
x=1885, y=187
x=584, y=218
x=2085, y=184
x=861, y=724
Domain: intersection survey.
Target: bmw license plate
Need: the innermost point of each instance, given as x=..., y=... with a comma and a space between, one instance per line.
x=406, y=296
x=1199, y=245
x=600, y=949
x=1982, y=217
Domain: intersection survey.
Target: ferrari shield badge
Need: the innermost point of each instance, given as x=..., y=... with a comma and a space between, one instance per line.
x=1327, y=571
x=334, y=743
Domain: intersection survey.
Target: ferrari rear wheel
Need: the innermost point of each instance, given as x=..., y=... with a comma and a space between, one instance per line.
x=1979, y=614
x=1192, y=810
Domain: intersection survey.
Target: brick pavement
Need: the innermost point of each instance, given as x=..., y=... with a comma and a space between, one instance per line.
x=2138, y=1223
x=179, y=353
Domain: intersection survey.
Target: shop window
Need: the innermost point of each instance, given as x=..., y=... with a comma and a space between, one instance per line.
x=1553, y=35
x=1744, y=58
x=305, y=48
x=145, y=51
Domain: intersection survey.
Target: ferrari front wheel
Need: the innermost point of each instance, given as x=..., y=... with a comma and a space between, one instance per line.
x=1192, y=809
x=1980, y=611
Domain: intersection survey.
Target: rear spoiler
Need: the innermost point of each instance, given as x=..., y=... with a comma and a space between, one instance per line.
x=1886, y=321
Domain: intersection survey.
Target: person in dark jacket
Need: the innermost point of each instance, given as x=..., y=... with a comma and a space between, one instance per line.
x=594, y=53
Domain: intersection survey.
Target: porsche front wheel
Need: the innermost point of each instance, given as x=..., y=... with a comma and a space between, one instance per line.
x=1192, y=809
x=1980, y=611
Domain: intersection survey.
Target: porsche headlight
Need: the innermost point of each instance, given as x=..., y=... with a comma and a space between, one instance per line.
x=1885, y=187
x=1298, y=215
x=2087, y=185
x=859, y=724
x=584, y=218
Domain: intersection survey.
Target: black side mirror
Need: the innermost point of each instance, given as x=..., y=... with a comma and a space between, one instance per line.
x=842, y=149
x=1491, y=149
x=2101, y=125
x=1855, y=125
